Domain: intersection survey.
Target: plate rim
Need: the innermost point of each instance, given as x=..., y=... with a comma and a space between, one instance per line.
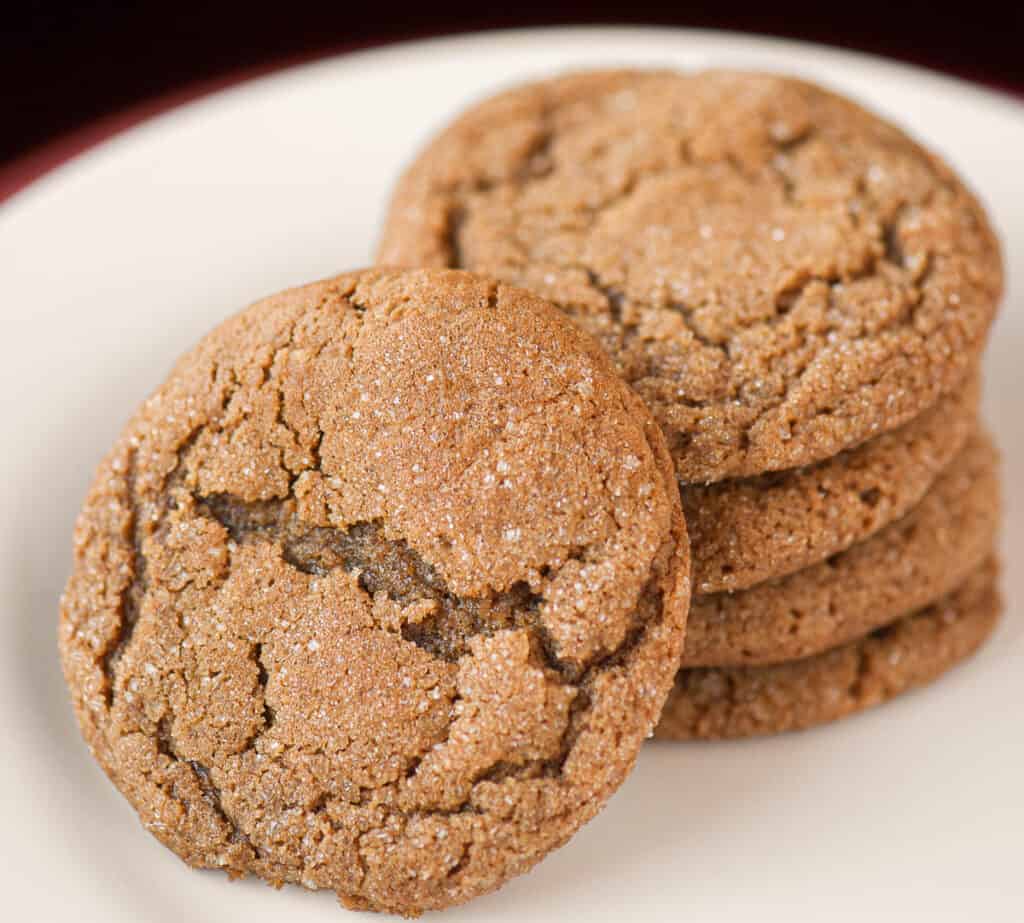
x=45, y=163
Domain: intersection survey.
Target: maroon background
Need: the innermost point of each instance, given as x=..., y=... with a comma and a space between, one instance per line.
x=74, y=73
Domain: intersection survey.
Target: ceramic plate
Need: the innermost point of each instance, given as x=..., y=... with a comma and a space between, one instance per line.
x=114, y=263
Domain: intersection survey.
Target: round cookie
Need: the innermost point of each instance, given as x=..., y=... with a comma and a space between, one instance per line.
x=380, y=592
x=746, y=531
x=748, y=701
x=778, y=273
x=909, y=564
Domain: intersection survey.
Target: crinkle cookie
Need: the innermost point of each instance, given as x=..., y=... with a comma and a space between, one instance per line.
x=909, y=564
x=779, y=273
x=380, y=592
x=713, y=703
x=749, y=530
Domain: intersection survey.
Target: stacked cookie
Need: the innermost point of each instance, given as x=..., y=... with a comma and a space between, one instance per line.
x=864, y=624
x=801, y=294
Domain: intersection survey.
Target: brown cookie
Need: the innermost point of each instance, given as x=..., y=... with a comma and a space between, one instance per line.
x=717, y=703
x=779, y=273
x=380, y=592
x=909, y=564
x=746, y=531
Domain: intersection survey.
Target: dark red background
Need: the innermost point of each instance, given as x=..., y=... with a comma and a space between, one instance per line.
x=73, y=73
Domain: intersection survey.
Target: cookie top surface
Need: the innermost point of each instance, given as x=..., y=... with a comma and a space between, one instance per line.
x=778, y=273
x=909, y=564
x=734, y=702
x=380, y=592
x=747, y=530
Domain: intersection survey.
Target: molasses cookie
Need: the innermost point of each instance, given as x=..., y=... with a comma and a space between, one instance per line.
x=746, y=701
x=380, y=592
x=745, y=531
x=780, y=274
x=907, y=565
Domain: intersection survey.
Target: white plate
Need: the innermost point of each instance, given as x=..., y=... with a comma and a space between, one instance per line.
x=114, y=263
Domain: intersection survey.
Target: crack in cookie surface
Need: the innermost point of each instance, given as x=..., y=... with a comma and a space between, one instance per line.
x=445, y=628
x=383, y=566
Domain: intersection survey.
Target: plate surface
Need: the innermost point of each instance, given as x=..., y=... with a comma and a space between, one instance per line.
x=117, y=261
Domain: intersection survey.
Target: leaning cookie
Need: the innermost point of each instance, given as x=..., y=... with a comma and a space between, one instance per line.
x=907, y=565
x=779, y=273
x=747, y=701
x=746, y=531
x=380, y=592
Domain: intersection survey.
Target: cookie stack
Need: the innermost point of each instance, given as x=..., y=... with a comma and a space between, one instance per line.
x=383, y=589
x=801, y=294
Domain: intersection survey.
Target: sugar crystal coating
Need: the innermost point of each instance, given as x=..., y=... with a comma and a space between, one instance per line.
x=364, y=597
x=908, y=564
x=747, y=530
x=780, y=274
x=728, y=702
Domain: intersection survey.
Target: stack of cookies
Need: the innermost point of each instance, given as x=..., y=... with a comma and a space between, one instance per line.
x=801, y=294
x=669, y=427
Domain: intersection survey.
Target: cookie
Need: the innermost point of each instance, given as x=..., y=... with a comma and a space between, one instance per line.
x=779, y=273
x=380, y=592
x=748, y=530
x=909, y=564
x=747, y=701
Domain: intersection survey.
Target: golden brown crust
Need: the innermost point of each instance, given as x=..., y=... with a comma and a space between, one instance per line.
x=746, y=531
x=780, y=274
x=380, y=592
x=732, y=702
x=907, y=565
